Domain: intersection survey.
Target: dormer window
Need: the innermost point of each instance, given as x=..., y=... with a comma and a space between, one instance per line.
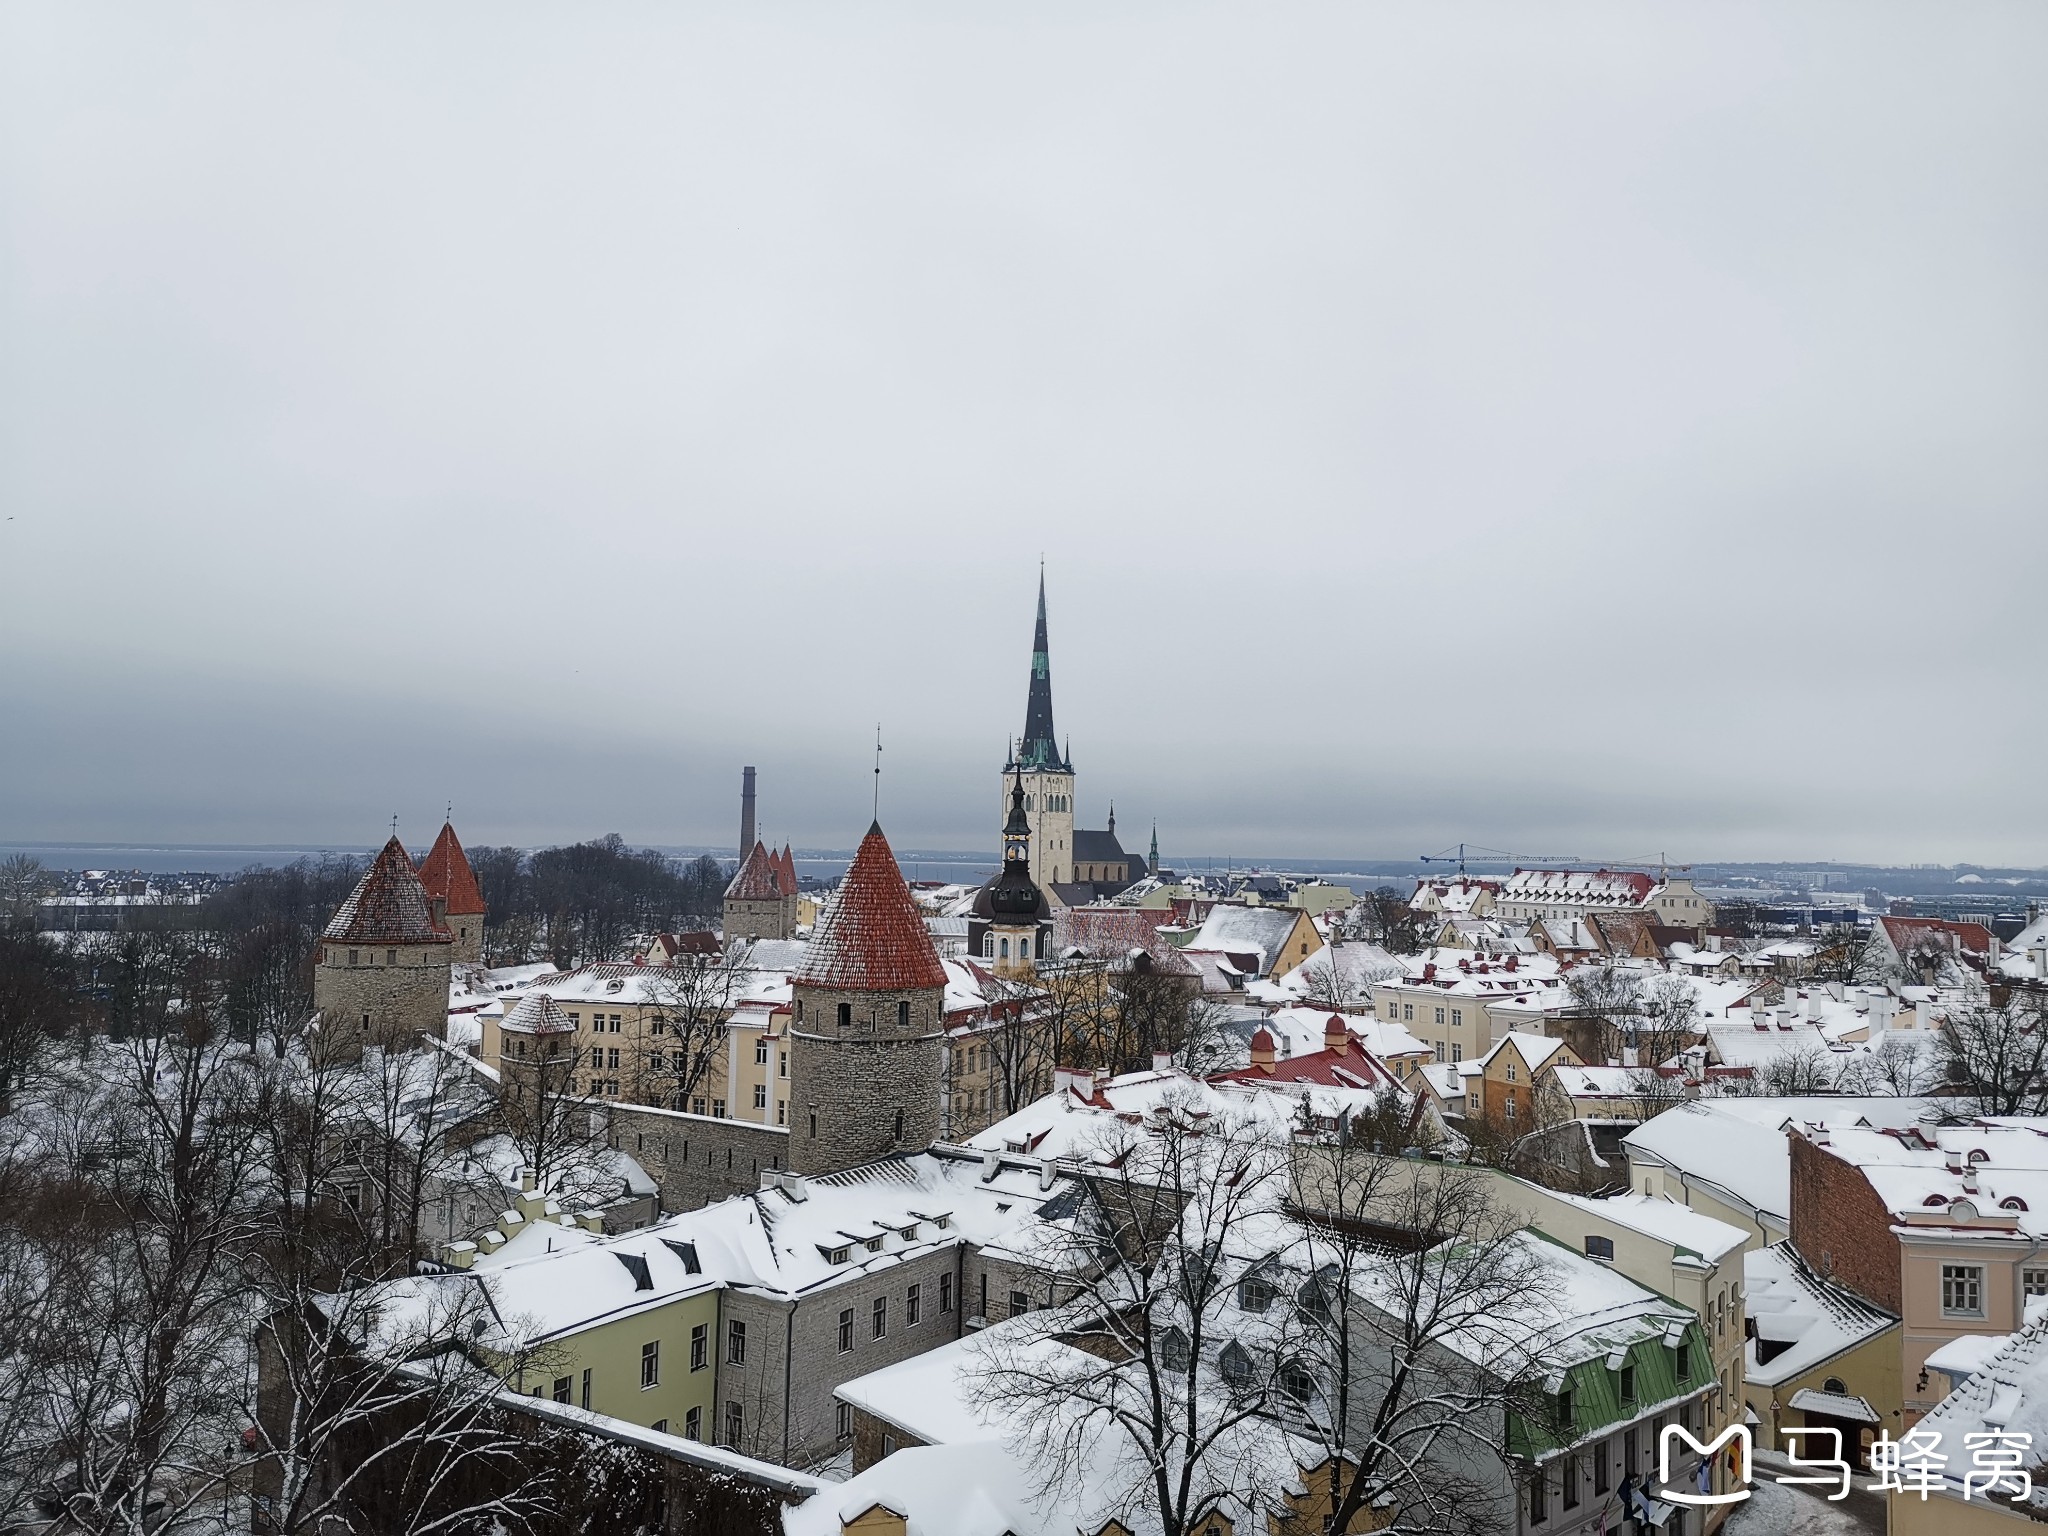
x=840, y=1254
x=874, y=1245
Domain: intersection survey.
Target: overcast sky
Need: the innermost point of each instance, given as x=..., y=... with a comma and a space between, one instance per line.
x=1610, y=428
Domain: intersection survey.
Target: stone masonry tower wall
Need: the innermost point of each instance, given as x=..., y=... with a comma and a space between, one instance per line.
x=865, y=1069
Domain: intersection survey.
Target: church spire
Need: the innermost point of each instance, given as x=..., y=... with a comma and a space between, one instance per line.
x=1039, y=749
x=1154, y=862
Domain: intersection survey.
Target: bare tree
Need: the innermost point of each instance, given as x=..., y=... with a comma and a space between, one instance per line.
x=23, y=884
x=1145, y=1290
x=1849, y=952
x=1992, y=1057
x=1802, y=1070
x=555, y=1129
x=1385, y=918
x=39, y=1003
x=1418, y=1336
x=685, y=1036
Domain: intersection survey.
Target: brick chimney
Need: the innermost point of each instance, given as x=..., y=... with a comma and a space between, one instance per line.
x=1336, y=1036
x=1262, y=1050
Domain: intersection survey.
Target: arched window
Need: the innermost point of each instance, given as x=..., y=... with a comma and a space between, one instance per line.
x=1835, y=1385
x=1024, y=948
x=1006, y=949
x=988, y=946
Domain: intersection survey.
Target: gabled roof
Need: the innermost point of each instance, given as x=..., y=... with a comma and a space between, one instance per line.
x=759, y=878
x=1535, y=1050
x=1580, y=887
x=870, y=936
x=446, y=874
x=388, y=906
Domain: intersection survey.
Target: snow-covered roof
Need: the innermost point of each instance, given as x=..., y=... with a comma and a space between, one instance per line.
x=1814, y=1318
x=1667, y=1221
x=1231, y=929
x=2009, y=1394
x=1594, y=1082
x=1535, y=1050
x=1579, y=887
x=1302, y=1030
x=1989, y=1177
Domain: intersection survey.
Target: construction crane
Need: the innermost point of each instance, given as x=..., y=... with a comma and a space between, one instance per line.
x=1457, y=856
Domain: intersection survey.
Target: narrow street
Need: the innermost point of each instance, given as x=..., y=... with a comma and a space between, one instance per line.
x=1778, y=1510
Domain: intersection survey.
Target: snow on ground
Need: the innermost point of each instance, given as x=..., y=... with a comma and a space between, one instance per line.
x=1776, y=1510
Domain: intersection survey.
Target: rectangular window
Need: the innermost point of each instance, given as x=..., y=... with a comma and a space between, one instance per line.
x=1962, y=1290
x=782, y=1111
x=2034, y=1281
x=1407, y=1011
x=575, y=1020
x=1457, y=1051
x=845, y=1330
x=1599, y=1247
x=693, y=1424
x=1019, y=1303
x=1600, y=1467
x=736, y=1343
x=913, y=1300
x=782, y=1063
x=1628, y=1452
x=945, y=1293
x=650, y=1365
x=1628, y=1388
x=718, y=1109
x=1568, y=1474
x=846, y=1421
x=561, y=1389
x=1539, y=1497
x=1457, y=1016
x=760, y=1095
x=1439, y=1015
x=735, y=1424
x=586, y=1386
x=697, y=1105
x=761, y=1051
x=700, y=1346
x=881, y=1320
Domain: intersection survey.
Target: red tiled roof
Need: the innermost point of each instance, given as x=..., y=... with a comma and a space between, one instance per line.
x=1355, y=1068
x=870, y=937
x=446, y=874
x=388, y=906
x=763, y=876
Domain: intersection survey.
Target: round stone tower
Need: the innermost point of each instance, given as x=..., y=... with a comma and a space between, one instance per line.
x=866, y=1040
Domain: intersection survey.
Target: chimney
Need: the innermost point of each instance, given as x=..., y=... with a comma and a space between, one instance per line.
x=1336, y=1037
x=746, y=811
x=1162, y=1061
x=1262, y=1050
x=2039, y=956
x=1880, y=1016
x=1923, y=1015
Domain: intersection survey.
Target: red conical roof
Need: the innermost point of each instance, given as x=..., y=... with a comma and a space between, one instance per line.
x=757, y=878
x=870, y=937
x=786, y=868
x=446, y=874
x=388, y=906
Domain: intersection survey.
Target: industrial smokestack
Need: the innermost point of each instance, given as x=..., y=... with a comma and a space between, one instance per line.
x=746, y=811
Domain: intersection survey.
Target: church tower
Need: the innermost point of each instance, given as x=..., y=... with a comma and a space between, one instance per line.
x=1047, y=775
x=866, y=1060
x=1018, y=922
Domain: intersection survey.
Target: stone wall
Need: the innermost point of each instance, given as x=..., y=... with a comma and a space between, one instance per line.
x=751, y=918
x=869, y=1088
x=1841, y=1227
x=390, y=993
x=697, y=1159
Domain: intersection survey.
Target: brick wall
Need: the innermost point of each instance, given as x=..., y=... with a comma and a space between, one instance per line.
x=1840, y=1226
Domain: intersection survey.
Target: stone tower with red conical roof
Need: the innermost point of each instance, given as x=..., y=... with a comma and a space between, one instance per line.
x=456, y=900
x=380, y=976
x=866, y=1040
x=760, y=903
